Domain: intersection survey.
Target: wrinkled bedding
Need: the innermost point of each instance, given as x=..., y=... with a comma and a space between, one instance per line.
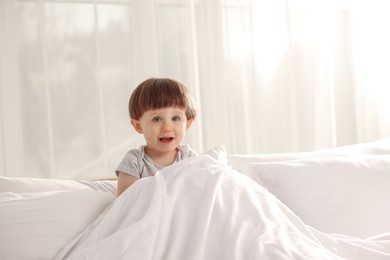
x=201, y=208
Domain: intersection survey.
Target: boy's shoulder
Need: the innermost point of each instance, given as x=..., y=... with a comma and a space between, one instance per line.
x=135, y=153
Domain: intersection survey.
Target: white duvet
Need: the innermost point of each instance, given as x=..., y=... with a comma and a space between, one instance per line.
x=203, y=209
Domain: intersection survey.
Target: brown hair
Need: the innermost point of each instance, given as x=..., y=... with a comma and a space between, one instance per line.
x=156, y=93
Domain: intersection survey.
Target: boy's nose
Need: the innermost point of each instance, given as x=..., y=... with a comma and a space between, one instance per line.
x=167, y=126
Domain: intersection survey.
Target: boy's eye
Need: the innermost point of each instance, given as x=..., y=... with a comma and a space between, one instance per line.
x=176, y=118
x=156, y=119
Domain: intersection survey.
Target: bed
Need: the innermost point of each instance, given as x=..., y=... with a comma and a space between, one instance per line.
x=326, y=204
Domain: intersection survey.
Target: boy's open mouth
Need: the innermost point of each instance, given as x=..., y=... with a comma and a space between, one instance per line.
x=166, y=139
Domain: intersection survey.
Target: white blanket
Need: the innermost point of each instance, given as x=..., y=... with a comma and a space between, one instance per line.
x=201, y=208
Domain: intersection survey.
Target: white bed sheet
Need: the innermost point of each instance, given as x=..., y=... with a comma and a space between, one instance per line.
x=201, y=208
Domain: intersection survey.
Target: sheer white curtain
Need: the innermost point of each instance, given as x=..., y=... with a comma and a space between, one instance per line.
x=269, y=76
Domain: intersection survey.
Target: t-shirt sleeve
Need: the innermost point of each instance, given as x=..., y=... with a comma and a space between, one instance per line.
x=130, y=164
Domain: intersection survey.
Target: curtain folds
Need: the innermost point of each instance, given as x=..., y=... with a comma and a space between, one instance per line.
x=269, y=76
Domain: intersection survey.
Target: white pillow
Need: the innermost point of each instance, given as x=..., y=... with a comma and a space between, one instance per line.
x=345, y=195
x=378, y=147
x=23, y=185
x=38, y=225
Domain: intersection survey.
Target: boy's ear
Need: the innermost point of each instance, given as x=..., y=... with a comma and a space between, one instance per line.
x=189, y=122
x=137, y=125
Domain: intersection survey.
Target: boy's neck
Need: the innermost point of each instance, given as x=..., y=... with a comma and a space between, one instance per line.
x=162, y=159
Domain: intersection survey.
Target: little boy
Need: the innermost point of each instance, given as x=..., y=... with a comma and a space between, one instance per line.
x=162, y=110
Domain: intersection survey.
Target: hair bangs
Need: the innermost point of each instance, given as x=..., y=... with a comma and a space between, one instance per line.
x=165, y=95
x=160, y=93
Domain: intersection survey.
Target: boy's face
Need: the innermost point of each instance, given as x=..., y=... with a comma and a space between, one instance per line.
x=163, y=129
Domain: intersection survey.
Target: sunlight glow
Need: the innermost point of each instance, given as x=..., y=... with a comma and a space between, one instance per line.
x=256, y=32
x=371, y=48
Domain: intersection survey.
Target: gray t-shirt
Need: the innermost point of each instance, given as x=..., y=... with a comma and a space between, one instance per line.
x=140, y=165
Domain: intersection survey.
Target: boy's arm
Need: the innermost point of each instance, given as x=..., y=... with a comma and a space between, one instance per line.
x=124, y=181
